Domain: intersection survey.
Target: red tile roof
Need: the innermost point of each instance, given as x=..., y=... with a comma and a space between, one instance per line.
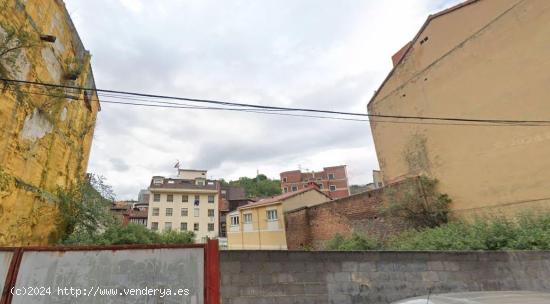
x=282, y=197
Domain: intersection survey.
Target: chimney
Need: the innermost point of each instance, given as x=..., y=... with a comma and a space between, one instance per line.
x=397, y=56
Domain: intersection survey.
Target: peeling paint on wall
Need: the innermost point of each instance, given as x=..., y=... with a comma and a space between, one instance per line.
x=64, y=114
x=40, y=151
x=36, y=126
x=52, y=64
x=20, y=67
x=416, y=155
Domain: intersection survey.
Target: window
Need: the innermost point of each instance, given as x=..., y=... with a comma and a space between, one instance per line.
x=167, y=226
x=200, y=182
x=156, y=197
x=320, y=186
x=157, y=181
x=196, y=226
x=170, y=198
x=247, y=218
x=285, y=189
x=210, y=227
x=184, y=198
x=234, y=221
x=169, y=211
x=154, y=226
x=271, y=215
x=284, y=179
x=210, y=212
x=197, y=200
x=196, y=212
x=294, y=188
x=183, y=226
x=211, y=199
x=184, y=212
x=224, y=193
x=155, y=211
x=332, y=188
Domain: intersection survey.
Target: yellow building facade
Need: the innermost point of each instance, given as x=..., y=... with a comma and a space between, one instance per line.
x=45, y=133
x=261, y=225
x=482, y=59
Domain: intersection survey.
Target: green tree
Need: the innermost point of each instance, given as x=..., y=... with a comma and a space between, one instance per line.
x=259, y=186
x=84, y=209
x=131, y=234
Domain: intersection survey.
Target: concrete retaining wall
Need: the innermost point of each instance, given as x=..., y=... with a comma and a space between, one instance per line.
x=373, y=277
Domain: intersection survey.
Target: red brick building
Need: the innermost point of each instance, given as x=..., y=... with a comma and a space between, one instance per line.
x=333, y=181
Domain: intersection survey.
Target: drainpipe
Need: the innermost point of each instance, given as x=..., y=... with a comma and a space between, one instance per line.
x=259, y=232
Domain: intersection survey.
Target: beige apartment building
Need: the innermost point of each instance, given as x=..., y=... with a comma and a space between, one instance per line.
x=482, y=59
x=188, y=202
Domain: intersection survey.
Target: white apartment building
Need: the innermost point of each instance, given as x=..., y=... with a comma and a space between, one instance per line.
x=186, y=203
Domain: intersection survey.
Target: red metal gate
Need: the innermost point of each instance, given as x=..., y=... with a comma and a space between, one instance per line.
x=13, y=257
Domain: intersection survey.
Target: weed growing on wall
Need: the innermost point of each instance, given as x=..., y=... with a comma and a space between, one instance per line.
x=12, y=41
x=418, y=203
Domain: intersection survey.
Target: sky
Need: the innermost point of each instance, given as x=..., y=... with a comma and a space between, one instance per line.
x=320, y=54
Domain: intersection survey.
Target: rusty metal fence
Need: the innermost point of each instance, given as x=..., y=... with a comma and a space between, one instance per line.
x=111, y=274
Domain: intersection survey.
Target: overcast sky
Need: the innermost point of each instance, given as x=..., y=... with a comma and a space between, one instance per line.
x=301, y=53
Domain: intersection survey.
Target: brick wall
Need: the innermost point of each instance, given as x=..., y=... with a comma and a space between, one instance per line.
x=280, y=277
x=301, y=180
x=314, y=226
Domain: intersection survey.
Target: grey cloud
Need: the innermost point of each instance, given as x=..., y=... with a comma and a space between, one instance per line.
x=264, y=52
x=119, y=164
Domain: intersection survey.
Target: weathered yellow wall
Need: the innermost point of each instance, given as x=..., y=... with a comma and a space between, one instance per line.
x=259, y=236
x=486, y=60
x=45, y=137
x=308, y=198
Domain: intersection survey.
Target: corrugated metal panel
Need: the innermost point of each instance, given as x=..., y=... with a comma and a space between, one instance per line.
x=5, y=260
x=97, y=271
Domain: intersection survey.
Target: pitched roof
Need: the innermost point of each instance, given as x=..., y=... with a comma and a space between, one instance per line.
x=180, y=183
x=282, y=197
x=405, y=50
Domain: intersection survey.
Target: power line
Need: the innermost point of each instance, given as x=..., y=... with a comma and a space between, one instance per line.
x=499, y=122
x=164, y=104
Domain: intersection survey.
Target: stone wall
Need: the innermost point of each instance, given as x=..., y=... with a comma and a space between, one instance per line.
x=373, y=277
x=45, y=133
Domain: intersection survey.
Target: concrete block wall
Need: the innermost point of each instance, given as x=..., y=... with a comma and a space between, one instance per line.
x=373, y=277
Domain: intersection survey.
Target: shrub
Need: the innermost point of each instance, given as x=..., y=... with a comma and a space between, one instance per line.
x=417, y=202
x=177, y=237
x=130, y=234
x=84, y=208
x=527, y=232
x=355, y=242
